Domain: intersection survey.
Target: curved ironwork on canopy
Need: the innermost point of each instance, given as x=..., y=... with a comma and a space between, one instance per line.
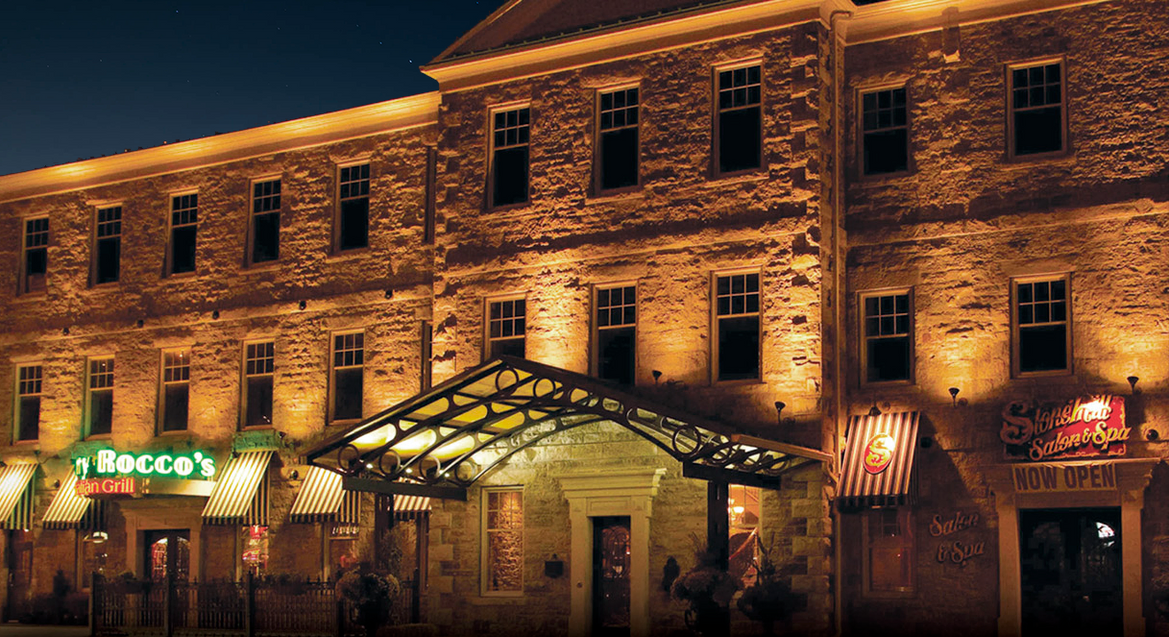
x=459, y=431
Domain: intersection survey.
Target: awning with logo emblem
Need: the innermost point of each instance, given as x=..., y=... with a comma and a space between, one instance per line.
x=16, y=497
x=240, y=495
x=877, y=468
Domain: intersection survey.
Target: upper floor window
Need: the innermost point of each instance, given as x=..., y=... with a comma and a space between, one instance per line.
x=99, y=397
x=1036, y=104
x=184, y=223
x=259, y=368
x=506, y=327
x=616, y=333
x=884, y=131
x=107, y=245
x=737, y=326
x=889, y=553
x=509, y=156
x=617, y=146
x=503, y=540
x=351, y=228
x=35, y=264
x=738, y=130
x=176, y=390
x=265, y=228
x=348, y=371
x=28, y=402
x=1042, y=322
x=888, y=345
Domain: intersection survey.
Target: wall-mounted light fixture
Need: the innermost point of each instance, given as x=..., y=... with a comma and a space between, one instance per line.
x=657, y=376
x=303, y=304
x=954, y=395
x=215, y=315
x=389, y=294
x=1132, y=384
x=873, y=411
x=1152, y=435
x=140, y=323
x=779, y=405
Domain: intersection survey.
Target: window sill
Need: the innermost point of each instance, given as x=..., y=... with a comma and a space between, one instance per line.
x=28, y=444
x=738, y=177
x=260, y=268
x=31, y=297
x=1057, y=374
x=731, y=382
x=1055, y=157
x=348, y=255
x=173, y=434
x=508, y=207
x=106, y=288
x=257, y=427
x=346, y=421
x=891, y=384
x=108, y=436
x=500, y=599
x=616, y=194
x=883, y=178
x=182, y=276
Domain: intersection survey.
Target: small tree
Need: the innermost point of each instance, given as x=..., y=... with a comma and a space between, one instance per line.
x=372, y=596
x=770, y=599
x=708, y=590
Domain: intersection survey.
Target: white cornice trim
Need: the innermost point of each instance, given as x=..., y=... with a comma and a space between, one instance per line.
x=363, y=121
x=901, y=18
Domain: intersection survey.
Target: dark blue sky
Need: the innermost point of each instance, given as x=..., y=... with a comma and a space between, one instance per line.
x=81, y=79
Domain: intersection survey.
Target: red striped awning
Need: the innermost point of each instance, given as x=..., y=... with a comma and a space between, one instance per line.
x=240, y=494
x=16, y=497
x=877, y=469
x=409, y=507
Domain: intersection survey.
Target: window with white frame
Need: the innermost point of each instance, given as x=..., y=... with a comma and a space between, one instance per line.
x=351, y=228
x=736, y=305
x=265, y=222
x=884, y=131
x=888, y=548
x=1042, y=324
x=616, y=333
x=617, y=143
x=184, y=225
x=176, y=390
x=1035, y=100
x=107, y=245
x=739, y=121
x=99, y=396
x=29, y=379
x=259, y=368
x=35, y=259
x=506, y=327
x=510, y=136
x=503, y=541
x=887, y=320
x=348, y=376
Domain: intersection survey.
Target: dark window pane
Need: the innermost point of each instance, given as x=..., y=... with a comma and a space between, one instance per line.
x=266, y=237
x=175, y=399
x=347, y=393
x=510, y=176
x=888, y=359
x=354, y=232
x=886, y=151
x=508, y=347
x=1043, y=348
x=739, y=140
x=259, y=412
x=738, y=348
x=30, y=418
x=619, y=158
x=109, y=256
x=182, y=249
x=615, y=355
x=1038, y=131
x=101, y=412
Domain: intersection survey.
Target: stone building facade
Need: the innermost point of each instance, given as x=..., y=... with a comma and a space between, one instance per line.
x=815, y=220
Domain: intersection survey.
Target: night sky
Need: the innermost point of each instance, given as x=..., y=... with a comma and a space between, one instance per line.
x=85, y=79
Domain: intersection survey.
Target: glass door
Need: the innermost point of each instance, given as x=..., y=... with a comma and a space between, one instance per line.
x=611, y=576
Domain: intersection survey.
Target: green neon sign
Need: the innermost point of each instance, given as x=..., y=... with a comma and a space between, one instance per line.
x=108, y=462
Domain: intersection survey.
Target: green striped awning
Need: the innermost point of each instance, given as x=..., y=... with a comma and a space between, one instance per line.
x=319, y=497
x=236, y=497
x=409, y=507
x=16, y=499
x=67, y=509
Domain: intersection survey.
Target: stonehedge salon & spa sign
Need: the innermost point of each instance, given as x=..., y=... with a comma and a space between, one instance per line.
x=1089, y=426
x=955, y=551
x=108, y=463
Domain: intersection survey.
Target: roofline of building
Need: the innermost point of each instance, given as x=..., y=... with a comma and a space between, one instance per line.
x=882, y=21
x=362, y=121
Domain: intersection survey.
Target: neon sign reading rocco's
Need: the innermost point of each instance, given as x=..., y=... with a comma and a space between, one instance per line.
x=108, y=462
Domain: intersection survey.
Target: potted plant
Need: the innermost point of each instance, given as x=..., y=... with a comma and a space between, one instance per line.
x=372, y=596
x=708, y=590
x=770, y=599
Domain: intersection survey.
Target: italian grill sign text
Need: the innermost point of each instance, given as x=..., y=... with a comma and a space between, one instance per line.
x=1084, y=427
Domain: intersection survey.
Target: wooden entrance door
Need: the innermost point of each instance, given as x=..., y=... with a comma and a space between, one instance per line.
x=611, y=576
x=168, y=552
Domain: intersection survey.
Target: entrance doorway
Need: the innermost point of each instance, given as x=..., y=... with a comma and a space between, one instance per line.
x=611, y=563
x=19, y=574
x=168, y=552
x=1071, y=571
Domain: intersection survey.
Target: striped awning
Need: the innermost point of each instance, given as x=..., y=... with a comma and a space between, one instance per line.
x=878, y=460
x=238, y=491
x=319, y=497
x=67, y=509
x=408, y=507
x=16, y=497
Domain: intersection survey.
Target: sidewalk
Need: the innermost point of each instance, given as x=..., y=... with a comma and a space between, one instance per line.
x=29, y=630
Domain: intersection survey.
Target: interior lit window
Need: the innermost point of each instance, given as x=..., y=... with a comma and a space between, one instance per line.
x=744, y=512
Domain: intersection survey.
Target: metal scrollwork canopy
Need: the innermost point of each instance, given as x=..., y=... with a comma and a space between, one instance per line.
x=461, y=430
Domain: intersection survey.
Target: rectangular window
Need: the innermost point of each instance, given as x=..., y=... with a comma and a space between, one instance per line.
x=184, y=222
x=506, y=327
x=617, y=146
x=35, y=263
x=738, y=125
x=737, y=324
x=885, y=131
x=352, y=223
x=888, y=545
x=259, y=367
x=1042, y=325
x=744, y=510
x=99, y=397
x=616, y=335
x=265, y=222
x=887, y=352
x=503, y=541
x=348, y=366
x=28, y=402
x=1036, y=105
x=107, y=245
x=509, y=156
x=176, y=389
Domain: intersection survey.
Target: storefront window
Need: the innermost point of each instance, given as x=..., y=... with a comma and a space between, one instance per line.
x=256, y=550
x=888, y=539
